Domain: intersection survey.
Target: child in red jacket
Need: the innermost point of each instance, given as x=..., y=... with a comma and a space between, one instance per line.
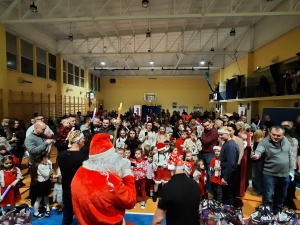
x=139, y=169
x=215, y=167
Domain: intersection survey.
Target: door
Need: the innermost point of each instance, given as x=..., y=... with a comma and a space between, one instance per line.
x=183, y=109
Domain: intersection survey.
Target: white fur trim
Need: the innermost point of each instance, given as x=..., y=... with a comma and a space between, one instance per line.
x=102, y=155
x=161, y=149
x=127, y=172
x=171, y=167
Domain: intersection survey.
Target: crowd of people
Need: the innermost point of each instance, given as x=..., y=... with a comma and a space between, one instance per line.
x=220, y=153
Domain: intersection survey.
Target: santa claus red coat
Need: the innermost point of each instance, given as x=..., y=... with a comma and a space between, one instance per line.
x=101, y=197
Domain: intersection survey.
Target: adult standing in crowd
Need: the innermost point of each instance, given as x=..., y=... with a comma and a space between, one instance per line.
x=36, y=143
x=229, y=159
x=147, y=136
x=180, y=199
x=39, y=118
x=276, y=168
x=69, y=161
x=106, y=128
x=16, y=137
x=209, y=140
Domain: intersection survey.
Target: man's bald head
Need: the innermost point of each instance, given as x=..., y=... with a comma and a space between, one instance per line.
x=39, y=128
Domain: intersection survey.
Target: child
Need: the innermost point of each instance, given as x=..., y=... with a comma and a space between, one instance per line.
x=139, y=167
x=199, y=176
x=121, y=152
x=215, y=167
x=189, y=161
x=40, y=186
x=4, y=151
x=120, y=143
x=160, y=166
x=57, y=191
x=180, y=141
x=127, y=153
x=149, y=175
x=9, y=175
x=173, y=157
x=147, y=149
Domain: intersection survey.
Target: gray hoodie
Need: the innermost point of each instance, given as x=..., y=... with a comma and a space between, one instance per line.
x=277, y=159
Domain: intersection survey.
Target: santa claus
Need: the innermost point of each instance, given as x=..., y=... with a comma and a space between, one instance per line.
x=103, y=187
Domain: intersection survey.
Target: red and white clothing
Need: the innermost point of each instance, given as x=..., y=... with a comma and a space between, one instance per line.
x=160, y=165
x=215, y=177
x=200, y=178
x=179, y=145
x=172, y=160
x=139, y=173
x=190, y=164
x=6, y=178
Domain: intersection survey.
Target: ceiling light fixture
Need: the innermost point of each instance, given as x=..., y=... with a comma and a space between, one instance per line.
x=212, y=46
x=148, y=33
x=151, y=62
x=33, y=8
x=202, y=62
x=145, y=3
x=103, y=63
x=70, y=36
x=232, y=32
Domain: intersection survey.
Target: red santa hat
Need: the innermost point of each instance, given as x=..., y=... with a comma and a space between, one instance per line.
x=217, y=148
x=101, y=146
x=160, y=147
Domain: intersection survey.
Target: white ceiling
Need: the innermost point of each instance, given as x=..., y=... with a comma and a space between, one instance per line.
x=182, y=31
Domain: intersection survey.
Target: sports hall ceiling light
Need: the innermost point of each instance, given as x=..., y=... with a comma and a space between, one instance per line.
x=202, y=62
x=70, y=36
x=151, y=62
x=212, y=49
x=232, y=32
x=145, y=3
x=33, y=8
x=103, y=63
x=148, y=33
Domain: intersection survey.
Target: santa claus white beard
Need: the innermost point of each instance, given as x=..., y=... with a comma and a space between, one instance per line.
x=111, y=164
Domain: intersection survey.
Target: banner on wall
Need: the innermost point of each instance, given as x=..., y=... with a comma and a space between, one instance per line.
x=242, y=111
x=137, y=110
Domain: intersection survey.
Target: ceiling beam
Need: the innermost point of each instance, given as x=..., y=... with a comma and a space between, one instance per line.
x=95, y=55
x=9, y=9
x=150, y=17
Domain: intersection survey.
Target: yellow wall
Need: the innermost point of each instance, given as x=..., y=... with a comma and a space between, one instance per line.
x=236, y=68
x=283, y=47
x=187, y=91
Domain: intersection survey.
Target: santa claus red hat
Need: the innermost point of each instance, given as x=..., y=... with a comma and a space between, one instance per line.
x=217, y=148
x=160, y=147
x=101, y=146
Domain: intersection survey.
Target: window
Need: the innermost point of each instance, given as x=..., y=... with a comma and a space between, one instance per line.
x=76, y=75
x=65, y=72
x=52, y=66
x=81, y=78
x=70, y=74
x=11, y=51
x=26, y=57
x=91, y=82
x=98, y=84
x=41, y=62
